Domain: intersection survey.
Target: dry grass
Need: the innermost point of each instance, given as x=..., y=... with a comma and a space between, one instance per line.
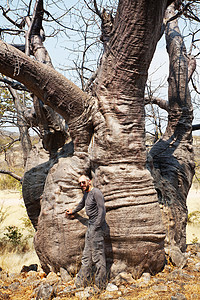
x=13, y=262
x=11, y=259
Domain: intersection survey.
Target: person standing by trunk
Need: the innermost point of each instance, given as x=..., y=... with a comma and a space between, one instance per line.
x=94, y=250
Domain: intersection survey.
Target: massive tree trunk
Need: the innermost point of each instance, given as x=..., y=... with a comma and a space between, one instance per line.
x=172, y=156
x=108, y=134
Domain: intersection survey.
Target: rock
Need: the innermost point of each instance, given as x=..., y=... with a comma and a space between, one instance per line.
x=198, y=254
x=33, y=275
x=197, y=267
x=45, y=292
x=13, y=276
x=32, y=267
x=116, y=268
x=111, y=287
x=181, y=274
x=66, y=291
x=33, y=283
x=106, y=296
x=146, y=277
x=176, y=256
x=3, y=276
x=52, y=278
x=65, y=277
x=14, y=286
x=178, y=296
x=160, y=288
x=4, y=296
x=123, y=278
x=83, y=294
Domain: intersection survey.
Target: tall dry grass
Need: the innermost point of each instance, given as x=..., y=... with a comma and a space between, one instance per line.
x=14, y=255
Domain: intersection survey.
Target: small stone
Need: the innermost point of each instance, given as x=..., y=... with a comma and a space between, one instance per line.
x=13, y=275
x=32, y=275
x=111, y=287
x=52, y=278
x=146, y=277
x=160, y=288
x=45, y=292
x=187, y=276
x=67, y=291
x=14, y=286
x=123, y=278
x=3, y=276
x=190, y=260
x=198, y=254
x=65, y=277
x=178, y=296
x=177, y=257
x=117, y=268
x=4, y=296
x=30, y=282
x=83, y=294
x=174, y=274
x=92, y=290
x=197, y=267
x=106, y=296
x=187, y=254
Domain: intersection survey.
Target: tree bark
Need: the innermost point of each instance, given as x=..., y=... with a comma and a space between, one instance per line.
x=53, y=89
x=108, y=134
x=173, y=157
x=117, y=154
x=22, y=126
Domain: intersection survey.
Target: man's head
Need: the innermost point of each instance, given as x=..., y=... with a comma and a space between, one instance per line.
x=85, y=183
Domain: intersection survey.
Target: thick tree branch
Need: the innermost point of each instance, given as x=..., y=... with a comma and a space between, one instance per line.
x=17, y=177
x=160, y=102
x=44, y=82
x=195, y=127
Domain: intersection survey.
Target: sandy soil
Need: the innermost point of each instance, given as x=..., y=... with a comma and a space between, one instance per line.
x=193, y=204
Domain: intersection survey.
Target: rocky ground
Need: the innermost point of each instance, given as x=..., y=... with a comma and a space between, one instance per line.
x=172, y=283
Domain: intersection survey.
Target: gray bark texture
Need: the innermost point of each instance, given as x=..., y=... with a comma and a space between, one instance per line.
x=108, y=142
x=171, y=159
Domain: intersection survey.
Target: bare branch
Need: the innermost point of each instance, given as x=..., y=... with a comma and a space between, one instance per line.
x=97, y=10
x=17, y=177
x=195, y=127
x=14, y=84
x=194, y=86
x=5, y=14
x=8, y=145
x=160, y=102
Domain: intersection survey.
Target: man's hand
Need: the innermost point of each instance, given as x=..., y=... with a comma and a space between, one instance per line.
x=69, y=213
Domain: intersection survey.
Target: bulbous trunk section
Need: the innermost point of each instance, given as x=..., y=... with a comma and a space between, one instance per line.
x=116, y=157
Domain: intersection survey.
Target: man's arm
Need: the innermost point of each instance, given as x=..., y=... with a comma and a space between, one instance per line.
x=101, y=208
x=80, y=206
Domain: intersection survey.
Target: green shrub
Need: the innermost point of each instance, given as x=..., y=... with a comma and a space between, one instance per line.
x=14, y=241
x=13, y=235
x=194, y=217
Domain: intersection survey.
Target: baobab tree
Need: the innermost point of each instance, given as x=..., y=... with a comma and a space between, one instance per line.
x=145, y=198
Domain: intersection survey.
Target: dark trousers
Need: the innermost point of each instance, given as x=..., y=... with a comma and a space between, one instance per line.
x=94, y=252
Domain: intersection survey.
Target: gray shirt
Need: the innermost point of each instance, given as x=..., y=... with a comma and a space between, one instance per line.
x=94, y=204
